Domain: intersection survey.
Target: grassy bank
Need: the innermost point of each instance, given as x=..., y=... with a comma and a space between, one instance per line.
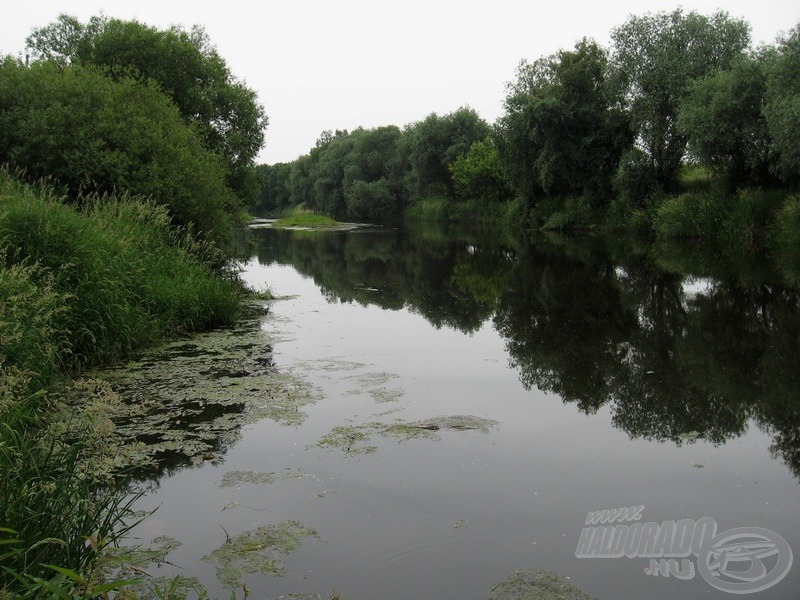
x=80, y=285
x=482, y=214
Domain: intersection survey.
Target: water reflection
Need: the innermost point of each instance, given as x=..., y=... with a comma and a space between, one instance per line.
x=680, y=346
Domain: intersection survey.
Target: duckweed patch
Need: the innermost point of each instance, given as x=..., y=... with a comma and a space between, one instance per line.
x=261, y=550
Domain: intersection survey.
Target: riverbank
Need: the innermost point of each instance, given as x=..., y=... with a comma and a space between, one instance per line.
x=749, y=220
x=84, y=282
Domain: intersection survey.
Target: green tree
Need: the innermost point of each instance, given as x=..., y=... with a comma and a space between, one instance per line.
x=656, y=58
x=328, y=178
x=370, y=200
x=274, y=193
x=94, y=134
x=782, y=110
x=479, y=174
x=433, y=144
x=373, y=177
x=186, y=67
x=559, y=135
x=722, y=118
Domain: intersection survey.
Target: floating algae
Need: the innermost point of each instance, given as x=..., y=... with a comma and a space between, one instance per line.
x=234, y=478
x=373, y=384
x=187, y=401
x=131, y=563
x=536, y=584
x=354, y=439
x=261, y=550
x=141, y=557
x=348, y=438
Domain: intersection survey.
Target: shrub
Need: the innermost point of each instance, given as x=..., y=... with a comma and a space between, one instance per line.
x=90, y=133
x=785, y=232
x=690, y=215
x=125, y=276
x=635, y=181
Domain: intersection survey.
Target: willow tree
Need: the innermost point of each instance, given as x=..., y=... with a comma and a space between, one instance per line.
x=560, y=134
x=656, y=58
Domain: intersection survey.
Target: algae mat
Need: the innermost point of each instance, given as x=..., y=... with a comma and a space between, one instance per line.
x=186, y=401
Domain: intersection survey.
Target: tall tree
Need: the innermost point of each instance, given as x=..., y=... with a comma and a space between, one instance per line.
x=722, y=117
x=559, y=135
x=186, y=67
x=433, y=144
x=656, y=59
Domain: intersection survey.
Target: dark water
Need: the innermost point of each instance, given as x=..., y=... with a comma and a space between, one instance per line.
x=475, y=399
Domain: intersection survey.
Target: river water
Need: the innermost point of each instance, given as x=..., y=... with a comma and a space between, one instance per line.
x=468, y=402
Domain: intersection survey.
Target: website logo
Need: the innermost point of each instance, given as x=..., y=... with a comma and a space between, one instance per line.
x=744, y=560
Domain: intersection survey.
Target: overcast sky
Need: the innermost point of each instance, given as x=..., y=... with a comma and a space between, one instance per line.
x=338, y=64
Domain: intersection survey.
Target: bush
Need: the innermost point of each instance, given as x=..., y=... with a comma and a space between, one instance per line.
x=575, y=213
x=785, y=232
x=748, y=217
x=92, y=134
x=690, y=215
x=635, y=181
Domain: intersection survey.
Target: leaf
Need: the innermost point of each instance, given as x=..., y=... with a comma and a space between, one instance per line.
x=68, y=572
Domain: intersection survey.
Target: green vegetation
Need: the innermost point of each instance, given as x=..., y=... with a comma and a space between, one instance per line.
x=116, y=106
x=300, y=217
x=183, y=65
x=80, y=287
x=126, y=157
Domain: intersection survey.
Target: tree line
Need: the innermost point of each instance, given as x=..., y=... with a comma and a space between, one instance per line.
x=590, y=123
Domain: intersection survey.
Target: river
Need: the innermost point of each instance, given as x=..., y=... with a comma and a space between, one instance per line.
x=460, y=407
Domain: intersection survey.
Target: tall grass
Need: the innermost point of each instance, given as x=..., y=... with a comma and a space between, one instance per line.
x=80, y=285
x=742, y=219
x=53, y=508
x=125, y=276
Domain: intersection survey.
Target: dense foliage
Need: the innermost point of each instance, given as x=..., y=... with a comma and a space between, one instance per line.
x=118, y=106
x=142, y=143
x=587, y=134
x=186, y=68
x=656, y=58
x=560, y=135
x=373, y=174
x=90, y=133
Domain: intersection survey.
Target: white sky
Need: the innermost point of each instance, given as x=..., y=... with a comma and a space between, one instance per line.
x=338, y=64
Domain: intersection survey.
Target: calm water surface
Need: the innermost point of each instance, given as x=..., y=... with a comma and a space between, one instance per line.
x=475, y=400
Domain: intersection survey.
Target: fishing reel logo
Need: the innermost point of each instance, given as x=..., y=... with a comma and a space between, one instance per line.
x=744, y=560
x=735, y=561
